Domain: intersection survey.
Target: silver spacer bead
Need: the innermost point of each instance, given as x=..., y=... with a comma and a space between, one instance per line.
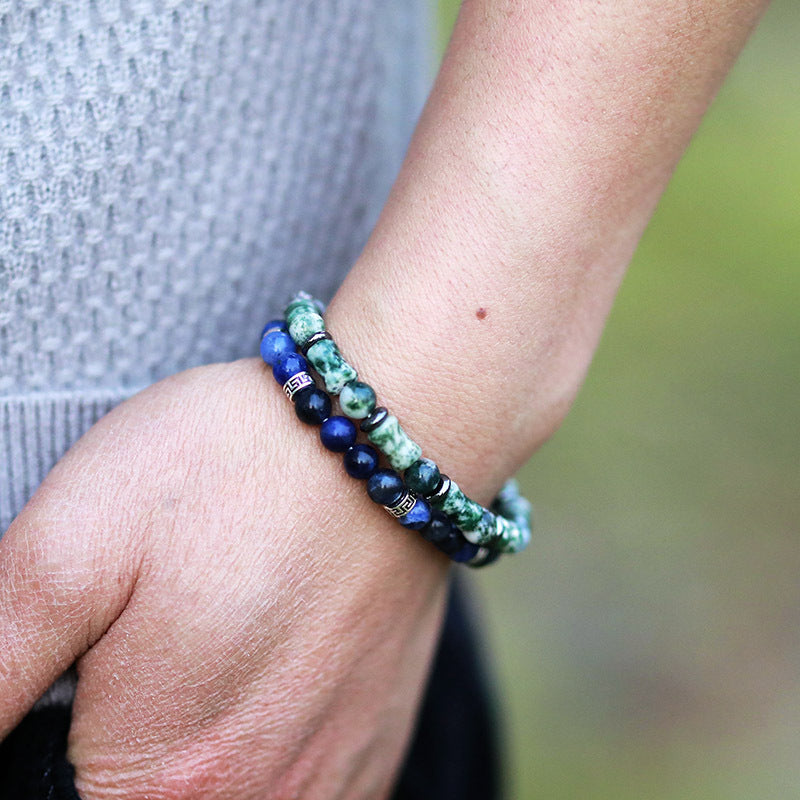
x=441, y=491
x=403, y=505
x=317, y=337
x=374, y=419
x=296, y=383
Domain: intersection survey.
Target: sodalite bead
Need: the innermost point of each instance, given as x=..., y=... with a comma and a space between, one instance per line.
x=423, y=476
x=312, y=405
x=274, y=325
x=274, y=344
x=357, y=399
x=288, y=364
x=466, y=553
x=386, y=487
x=395, y=443
x=418, y=517
x=338, y=434
x=438, y=528
x=328, y=362
x=441, y=532
x=361, y=461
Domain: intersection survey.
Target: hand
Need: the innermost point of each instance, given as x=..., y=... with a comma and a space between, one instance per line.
x=247, y=623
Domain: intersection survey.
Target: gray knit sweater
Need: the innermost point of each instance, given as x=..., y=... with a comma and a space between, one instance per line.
x=170, y=170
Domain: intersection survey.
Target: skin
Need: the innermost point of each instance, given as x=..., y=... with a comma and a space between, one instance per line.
x=247, y=623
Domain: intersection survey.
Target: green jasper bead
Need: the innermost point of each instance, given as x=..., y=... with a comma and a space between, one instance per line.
x=303, y=325
x=469, y=516
x=357, y=400
x=299, y=303
x=455, y=501
x=395, y=443
x=423, y=476
x=516, y=539
x=329, y=363
x=484, y=531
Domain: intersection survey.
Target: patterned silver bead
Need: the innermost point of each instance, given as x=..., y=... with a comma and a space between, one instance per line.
x=403, y=505
x=296, y=383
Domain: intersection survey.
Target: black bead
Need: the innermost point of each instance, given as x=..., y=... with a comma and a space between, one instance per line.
x=312, y=405
x=374, y=419
x=385, y=487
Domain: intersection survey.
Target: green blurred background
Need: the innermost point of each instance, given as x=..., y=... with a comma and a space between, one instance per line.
x=647, y=643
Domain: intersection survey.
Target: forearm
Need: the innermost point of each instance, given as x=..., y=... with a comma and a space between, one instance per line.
x=549, y=136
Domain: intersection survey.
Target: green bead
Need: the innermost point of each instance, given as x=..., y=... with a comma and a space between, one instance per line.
x=423, y=476
x=300, y=302
x=303, y=324
x=469, y=516
x=395, y=443
x=357, y=400
x=509, y=537
x=331, y=366
x=484, y=531
x=455, y=501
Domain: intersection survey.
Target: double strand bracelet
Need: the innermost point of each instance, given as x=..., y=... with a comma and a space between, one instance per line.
x=423, y=499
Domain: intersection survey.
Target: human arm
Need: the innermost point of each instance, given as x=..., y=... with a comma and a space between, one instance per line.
x=524, y=197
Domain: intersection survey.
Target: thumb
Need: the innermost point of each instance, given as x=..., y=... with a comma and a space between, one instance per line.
x=63, y=582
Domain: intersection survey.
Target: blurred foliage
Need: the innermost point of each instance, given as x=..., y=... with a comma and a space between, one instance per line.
x=647, y=644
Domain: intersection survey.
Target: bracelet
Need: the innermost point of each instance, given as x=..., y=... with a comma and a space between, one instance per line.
x=457, y=525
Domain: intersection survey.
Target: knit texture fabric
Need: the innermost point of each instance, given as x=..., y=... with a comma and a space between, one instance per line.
x=170, y=171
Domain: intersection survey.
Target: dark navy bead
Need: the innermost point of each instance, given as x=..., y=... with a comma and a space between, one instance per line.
x=360, y=461
x=467, y=552
x=288, y=364
x=423, y=476
x=274, y=344
x=452, y=543
x=338, y=434
x=438, y=528
x=418, y=517
x=274, y=325
x=385, y=487
x=312, y=405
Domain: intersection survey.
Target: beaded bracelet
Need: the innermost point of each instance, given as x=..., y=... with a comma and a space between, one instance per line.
x=459, y=526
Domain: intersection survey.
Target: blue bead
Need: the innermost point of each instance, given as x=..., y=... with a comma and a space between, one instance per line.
x=274, y=325
x=274, y=344
x=452, y=543
x=466, y=553
x=438, y=528
x=385, y=487
x=360, y=461
x=418, y=517
x=443, y=533
x=312, y=405
x=338, y=434
x=288, y=364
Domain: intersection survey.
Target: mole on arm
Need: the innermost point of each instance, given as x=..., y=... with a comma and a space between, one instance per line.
x=481, y=313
